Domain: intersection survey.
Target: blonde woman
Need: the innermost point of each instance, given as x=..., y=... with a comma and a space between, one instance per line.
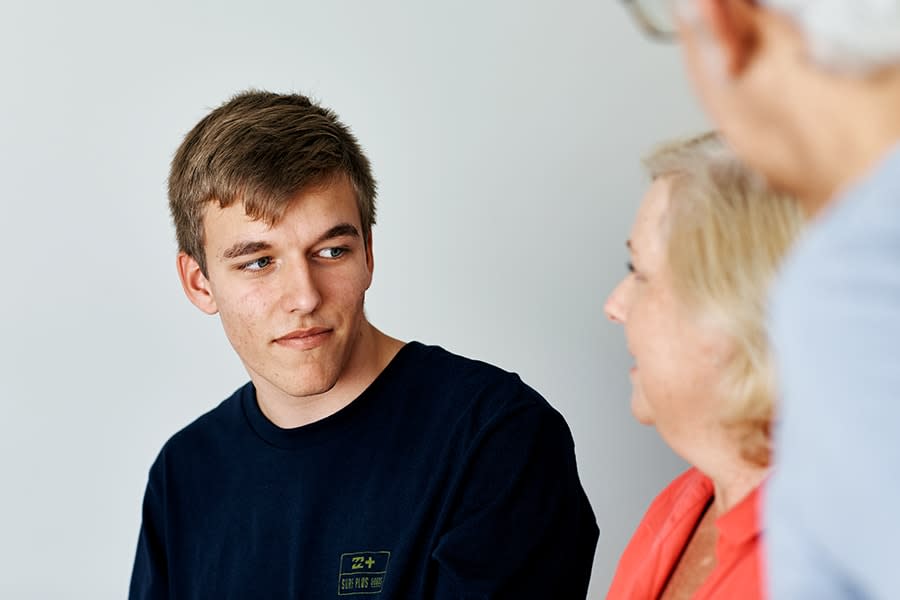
x=706, y=242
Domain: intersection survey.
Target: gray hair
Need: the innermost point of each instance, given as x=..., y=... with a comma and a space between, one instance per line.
x=847, y=36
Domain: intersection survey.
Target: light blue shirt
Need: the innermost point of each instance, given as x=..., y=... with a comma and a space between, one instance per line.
x=832, y=511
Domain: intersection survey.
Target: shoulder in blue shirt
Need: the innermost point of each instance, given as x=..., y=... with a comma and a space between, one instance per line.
x=832, y=506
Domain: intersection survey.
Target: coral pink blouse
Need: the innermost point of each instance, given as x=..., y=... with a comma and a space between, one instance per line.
x=665, y=531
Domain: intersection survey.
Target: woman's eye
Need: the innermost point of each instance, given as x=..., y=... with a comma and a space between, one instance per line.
x=258, y=265
x=331, y=252
x=633, y=272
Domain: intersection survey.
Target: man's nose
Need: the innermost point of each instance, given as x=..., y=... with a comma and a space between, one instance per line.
x=300, y=289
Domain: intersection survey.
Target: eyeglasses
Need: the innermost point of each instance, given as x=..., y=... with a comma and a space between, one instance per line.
x=655, y=17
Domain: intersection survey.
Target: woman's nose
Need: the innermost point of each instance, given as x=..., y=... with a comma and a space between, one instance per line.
x=613, y=307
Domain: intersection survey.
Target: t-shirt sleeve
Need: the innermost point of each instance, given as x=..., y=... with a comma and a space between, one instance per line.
x=522, y=526
x=149, y=578
x=832, y=501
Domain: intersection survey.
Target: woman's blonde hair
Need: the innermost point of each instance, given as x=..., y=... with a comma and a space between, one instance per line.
x=727, y=233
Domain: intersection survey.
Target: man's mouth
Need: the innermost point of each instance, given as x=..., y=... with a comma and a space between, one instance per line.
x=305, y=339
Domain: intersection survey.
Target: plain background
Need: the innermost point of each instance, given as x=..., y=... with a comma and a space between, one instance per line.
x=505, y=135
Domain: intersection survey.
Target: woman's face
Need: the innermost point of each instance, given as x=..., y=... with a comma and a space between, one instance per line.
x=678, y=355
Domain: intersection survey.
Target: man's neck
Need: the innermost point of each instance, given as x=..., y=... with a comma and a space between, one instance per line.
x=371, y=354
x=863, y=126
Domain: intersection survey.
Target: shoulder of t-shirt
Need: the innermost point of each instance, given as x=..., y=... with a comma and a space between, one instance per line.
x=476, y=386
x=209, y=428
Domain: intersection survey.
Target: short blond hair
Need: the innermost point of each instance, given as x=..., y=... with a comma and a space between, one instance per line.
x=727, y=234
x=261, y=149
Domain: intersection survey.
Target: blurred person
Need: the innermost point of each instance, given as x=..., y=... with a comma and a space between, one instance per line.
x=351, y=462
x=808, y=93
x=705, y=244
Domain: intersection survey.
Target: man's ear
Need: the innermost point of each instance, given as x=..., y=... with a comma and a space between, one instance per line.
x=370, y=256
x=733, y=26
x=195, y=284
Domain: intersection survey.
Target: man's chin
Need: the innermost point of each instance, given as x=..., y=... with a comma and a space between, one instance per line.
x=308, y=389
x=302, y=384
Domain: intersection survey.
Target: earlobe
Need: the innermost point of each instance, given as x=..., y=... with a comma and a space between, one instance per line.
x=732, y=27
x=195, y=284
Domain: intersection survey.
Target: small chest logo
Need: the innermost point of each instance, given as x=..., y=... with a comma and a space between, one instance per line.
x=363, y=572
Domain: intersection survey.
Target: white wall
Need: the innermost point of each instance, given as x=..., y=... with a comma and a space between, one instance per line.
x=505, y=136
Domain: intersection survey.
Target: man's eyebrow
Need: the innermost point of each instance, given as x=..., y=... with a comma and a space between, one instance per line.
x=629, y=246
x=344, y=229
x=245, y=248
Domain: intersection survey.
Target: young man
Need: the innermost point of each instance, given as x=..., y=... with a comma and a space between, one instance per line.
x=351, y=463
x=808, y=92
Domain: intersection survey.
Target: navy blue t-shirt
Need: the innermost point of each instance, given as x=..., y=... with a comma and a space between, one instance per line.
x=446, y=478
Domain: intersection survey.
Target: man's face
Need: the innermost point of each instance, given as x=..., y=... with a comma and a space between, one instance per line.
x=290, y=296
x=737, y=63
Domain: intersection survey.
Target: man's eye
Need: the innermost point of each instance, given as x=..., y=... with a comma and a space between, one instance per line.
x=257, y=265
x=331, y=252
x=630, y=266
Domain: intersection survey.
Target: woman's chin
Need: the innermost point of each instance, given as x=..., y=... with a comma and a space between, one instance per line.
x=641, y=412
